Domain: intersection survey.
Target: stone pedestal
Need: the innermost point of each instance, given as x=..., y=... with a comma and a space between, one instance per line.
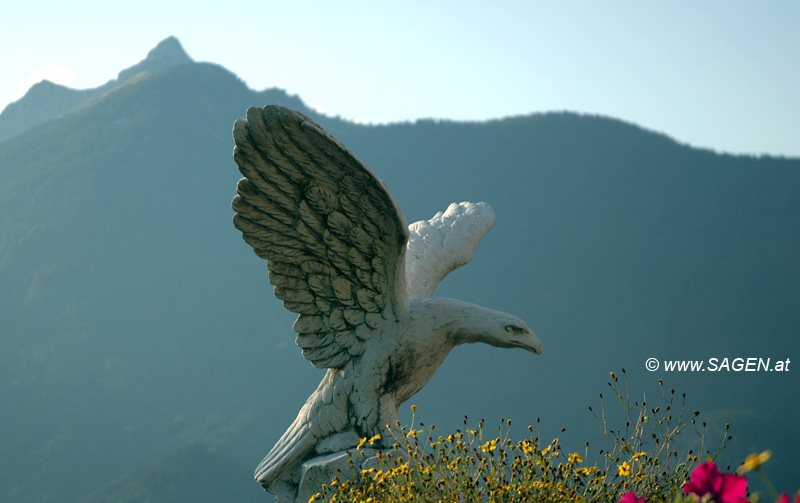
x=322, y=469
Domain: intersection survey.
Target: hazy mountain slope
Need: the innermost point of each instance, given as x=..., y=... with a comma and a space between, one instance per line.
x=135, y=320
x=42, y=102
x=120, y=308
x=190, y=474
x=47, y=100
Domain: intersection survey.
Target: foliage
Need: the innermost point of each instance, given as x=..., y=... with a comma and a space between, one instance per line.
x=640, y=458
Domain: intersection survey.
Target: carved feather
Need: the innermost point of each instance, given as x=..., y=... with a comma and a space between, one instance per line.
x=322, y=220
x=444, y=243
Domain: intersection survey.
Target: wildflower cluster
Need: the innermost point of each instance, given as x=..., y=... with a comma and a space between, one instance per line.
x=641, y=457
x=467, y=466
x=639, y=465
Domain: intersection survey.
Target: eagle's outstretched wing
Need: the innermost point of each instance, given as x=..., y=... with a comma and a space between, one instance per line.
x=333, y=237
x=445, y=242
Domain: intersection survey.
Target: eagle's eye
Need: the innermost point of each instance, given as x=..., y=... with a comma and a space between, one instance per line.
x=514, y=329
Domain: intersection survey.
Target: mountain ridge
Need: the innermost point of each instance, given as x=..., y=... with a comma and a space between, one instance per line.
x=46, y=100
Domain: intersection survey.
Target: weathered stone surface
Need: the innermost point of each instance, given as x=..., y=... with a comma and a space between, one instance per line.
x=338, y=442
x=321, y=470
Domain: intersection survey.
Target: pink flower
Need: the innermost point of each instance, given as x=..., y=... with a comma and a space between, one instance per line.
x=630, y=497
x=723, y=488
x=785, y=498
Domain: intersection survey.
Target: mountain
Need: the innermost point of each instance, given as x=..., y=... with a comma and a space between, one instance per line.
x=168, y=53
x=189, y=474
x=135, y=321
x=46, y=100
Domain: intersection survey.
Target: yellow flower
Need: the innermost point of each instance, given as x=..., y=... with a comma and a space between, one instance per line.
x=753, y=461
x=547, y=449
x=489, y=446
x=361, y=443
x=414, y=408
x=374, y=439
x=575, y=458
x=624, y=469
x=638, y=455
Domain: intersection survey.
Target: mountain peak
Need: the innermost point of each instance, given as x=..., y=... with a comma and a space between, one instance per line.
x=46, y=100
x=168, y=53
x=169, y=49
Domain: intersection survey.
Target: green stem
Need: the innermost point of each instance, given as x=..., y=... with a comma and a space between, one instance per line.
x=770, y=488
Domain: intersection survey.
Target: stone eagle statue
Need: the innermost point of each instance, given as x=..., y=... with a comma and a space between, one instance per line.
x=342, y=257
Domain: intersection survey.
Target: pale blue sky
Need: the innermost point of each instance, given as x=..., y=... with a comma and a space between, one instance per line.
x=716, y=74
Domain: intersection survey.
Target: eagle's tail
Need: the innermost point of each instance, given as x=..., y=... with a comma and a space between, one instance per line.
x=292, y=448
x=324, y=413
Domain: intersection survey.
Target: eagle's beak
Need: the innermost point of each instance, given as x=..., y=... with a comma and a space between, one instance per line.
x=528, y=341
x=532, y=343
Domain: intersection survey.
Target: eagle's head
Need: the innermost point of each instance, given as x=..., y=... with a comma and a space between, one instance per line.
x=504, y=330
x=516, y=335
x=464, y=323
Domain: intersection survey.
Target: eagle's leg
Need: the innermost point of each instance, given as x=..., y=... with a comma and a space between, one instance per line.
x=388, y=426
